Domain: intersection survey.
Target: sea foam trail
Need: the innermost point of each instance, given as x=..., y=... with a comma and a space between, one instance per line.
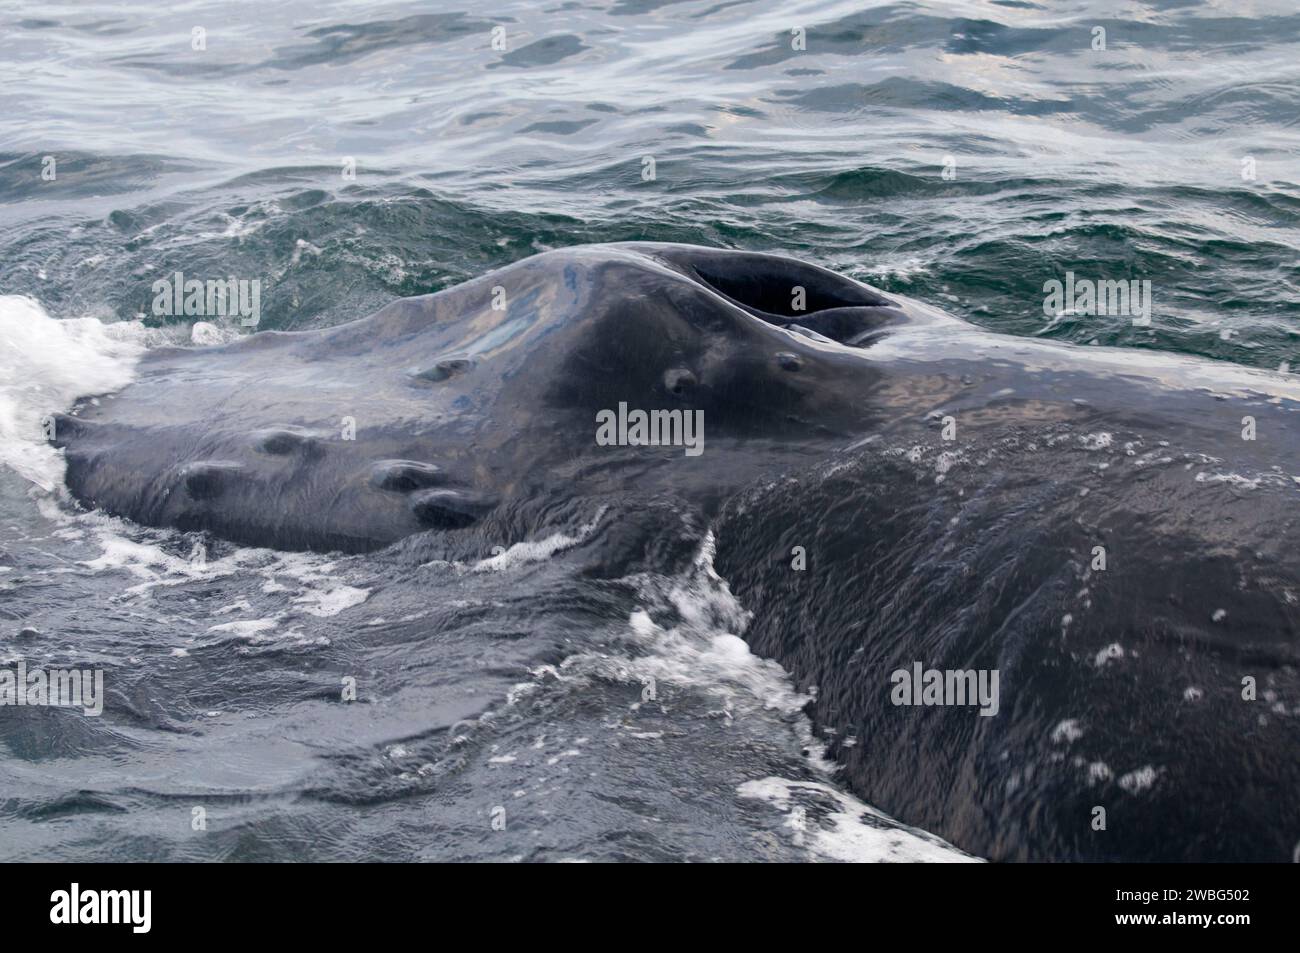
x=696, y=644
x=45, y=365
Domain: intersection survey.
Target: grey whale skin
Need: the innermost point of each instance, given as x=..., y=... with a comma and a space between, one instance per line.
x=1120, y=688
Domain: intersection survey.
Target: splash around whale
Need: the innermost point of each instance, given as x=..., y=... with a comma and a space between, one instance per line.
x=1109, y=534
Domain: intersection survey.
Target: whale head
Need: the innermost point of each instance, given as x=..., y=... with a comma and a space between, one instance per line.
x=432, y=412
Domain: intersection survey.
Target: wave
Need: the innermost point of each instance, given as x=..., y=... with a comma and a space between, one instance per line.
x=47, y=364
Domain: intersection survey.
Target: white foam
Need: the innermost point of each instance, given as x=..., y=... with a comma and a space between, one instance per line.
x=45, y=365
x=687, y=633
x=1067, y=731
x=149, y=562
x=837, y=826
x=1241, y=482
x=245, y=627
x=1135, y=782
x=329, y=602
x=705, y=648
x=1109, y=653
x=318, y=591
x=534, y=551
x=207, y=334
x=1098, y=771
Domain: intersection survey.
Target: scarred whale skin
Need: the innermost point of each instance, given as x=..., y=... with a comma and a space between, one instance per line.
x=1090, y=523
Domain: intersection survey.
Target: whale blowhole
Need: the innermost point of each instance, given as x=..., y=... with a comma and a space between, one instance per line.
x=772, y=288
x=801, y=298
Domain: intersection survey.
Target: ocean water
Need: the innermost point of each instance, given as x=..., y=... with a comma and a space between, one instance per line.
x=343, y=154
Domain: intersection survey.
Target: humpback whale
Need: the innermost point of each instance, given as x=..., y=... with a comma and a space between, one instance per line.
x=890, y=490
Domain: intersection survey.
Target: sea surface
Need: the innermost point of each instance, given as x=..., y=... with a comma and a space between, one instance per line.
x=510, y=704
